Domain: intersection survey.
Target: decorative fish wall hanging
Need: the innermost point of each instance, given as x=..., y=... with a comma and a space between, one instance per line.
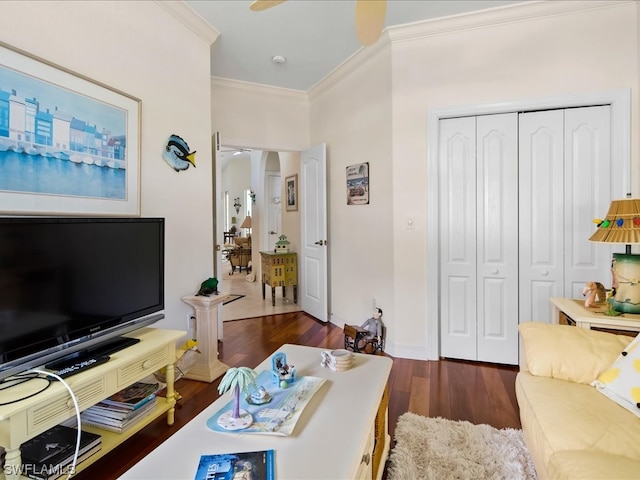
x=177, y=154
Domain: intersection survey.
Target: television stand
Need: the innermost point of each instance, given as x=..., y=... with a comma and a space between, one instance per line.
x=90, y=357
x=20, y=421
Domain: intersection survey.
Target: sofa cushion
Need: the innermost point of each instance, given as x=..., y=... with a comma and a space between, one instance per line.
x=592, y=465
x=621, y=382
x=569, y=353
x=559, y=415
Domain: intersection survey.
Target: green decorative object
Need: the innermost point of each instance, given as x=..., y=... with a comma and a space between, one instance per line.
x=209, y=286
x=626, y=281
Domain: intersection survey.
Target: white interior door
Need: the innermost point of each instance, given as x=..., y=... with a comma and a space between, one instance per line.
x=458, y=279
x=565, y=180
x=312, y=265
x=541, y=223
x=218, y=222
x=589, y=177
x=497, y=237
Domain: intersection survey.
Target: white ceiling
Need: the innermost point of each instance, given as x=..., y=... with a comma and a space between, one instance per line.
x=315, y=36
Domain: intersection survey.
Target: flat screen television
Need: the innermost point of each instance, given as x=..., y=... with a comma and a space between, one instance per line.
x=70, y=284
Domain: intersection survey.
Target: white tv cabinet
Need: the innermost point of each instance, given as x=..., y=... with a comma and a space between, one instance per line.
x=342, y=433
x=30, y=417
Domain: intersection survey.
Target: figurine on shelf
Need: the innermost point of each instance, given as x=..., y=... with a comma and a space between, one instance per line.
x=373, y=325
x=259, y=397
x=209, y=286
x=237, y=379
x=595, y=292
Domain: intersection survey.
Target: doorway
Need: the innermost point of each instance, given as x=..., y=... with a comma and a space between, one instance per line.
x=251, y=193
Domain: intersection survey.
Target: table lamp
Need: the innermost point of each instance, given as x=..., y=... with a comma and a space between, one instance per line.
x=622, y=226
x=246, y=223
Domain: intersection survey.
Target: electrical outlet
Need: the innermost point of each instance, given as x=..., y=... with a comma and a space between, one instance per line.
x=191, y=319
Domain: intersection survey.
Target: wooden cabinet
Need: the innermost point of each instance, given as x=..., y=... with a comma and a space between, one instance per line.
x=31, y=416
x=279, y=270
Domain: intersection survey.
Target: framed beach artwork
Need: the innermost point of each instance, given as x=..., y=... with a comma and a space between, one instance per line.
x=68, y=144
x=291, y=186
x=358, y=184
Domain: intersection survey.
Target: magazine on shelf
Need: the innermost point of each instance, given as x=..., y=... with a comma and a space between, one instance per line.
x=258, y=465
x=117, y=417
x=114, y=424
x=133, y=396
x=280, y=414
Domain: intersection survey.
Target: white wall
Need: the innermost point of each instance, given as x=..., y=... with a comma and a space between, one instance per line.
x=236, y=178
x=140, y=49
x=374, y=108
x=260, y=117
x=354, y=118
x=543, y=52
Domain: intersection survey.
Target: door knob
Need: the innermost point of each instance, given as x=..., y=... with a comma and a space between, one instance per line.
x=273, y=233
x=319, y=242
x=545, y=273
x=495, y=271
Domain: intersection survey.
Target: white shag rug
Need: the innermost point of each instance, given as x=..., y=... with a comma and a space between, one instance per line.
x=436, y=448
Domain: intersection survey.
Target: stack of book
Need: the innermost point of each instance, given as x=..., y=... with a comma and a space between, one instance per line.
x=50, y=455
x=123, y=409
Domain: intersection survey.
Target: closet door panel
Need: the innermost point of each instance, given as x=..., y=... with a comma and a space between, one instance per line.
x=541, y=217
x=497, y=237
x=588, y=193
x=457, y=238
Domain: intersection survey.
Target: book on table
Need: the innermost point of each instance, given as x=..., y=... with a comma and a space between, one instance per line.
x=51, y=453
x=258, y=465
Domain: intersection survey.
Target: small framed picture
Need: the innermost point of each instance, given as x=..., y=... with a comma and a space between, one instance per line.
x=358, y=184
x=291, y=184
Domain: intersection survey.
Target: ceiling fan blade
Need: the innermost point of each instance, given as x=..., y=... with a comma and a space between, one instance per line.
x=259, y=5
x=370, y=20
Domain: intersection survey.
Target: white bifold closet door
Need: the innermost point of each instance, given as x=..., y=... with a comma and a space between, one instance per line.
x=565, y=182
x=517, y=196
x=479, y=238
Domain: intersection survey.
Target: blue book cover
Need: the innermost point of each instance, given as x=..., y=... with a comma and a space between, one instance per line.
x=244, y=466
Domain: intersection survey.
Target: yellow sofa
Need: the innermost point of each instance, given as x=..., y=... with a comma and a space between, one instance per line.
x=572, y=430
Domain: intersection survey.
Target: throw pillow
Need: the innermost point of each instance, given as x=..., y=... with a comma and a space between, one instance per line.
x=569, y=353
x=621, y=382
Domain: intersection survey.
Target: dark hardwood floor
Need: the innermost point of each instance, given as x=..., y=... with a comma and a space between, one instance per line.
x=458, y=390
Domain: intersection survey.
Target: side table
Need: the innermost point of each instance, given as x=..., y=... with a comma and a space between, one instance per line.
x=570, y=311
x=280, y=270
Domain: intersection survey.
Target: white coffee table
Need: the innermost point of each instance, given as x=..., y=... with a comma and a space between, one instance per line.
x=333, y=439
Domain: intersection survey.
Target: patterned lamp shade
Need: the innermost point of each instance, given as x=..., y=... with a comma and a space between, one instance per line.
x=621, y=225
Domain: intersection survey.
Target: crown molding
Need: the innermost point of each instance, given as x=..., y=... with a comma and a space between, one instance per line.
x=190, y=18
x=258, y=88
x=514, y=13
x=519, y=12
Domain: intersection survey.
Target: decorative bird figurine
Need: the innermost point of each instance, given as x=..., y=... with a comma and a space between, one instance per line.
x=177, y=155
x=191, y=344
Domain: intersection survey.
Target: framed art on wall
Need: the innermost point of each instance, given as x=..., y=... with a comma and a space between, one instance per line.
x=291, y=184
x=358, y=184
x=68, y=144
